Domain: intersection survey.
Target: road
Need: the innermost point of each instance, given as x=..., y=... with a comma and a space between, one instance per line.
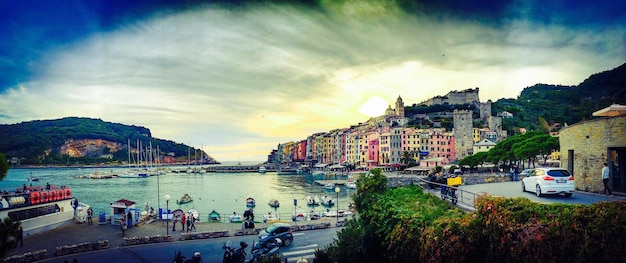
x=303, y=246
x=468, y=193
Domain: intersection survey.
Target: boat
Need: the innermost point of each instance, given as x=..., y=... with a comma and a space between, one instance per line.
x=314, y=215
x=333, y=213
x=351, y=184
x=194, y=213
x=133, y=173
x=327, y=201
x=81, y=212
x=38, y=209
x=262, y=169
x=313, y=200
x=32, y=179
x=186, y=198
x=269, y=217
x=235, y=218
x=250, y=202
x=214, y=216
x=286, y=171
x=298, y=215
x=274, y=203
x=329, y=186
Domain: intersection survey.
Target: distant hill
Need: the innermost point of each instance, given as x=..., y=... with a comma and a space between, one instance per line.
x=78, y=141
x=564, y=104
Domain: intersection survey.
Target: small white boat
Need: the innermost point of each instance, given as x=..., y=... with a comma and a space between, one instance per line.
x=274, y=203
x=262, y=169
x=313, y=200
x=327, y=201
x=270, y=217
x=235, y=218
x=329, y=186
x=81, y=212
x=351, y=184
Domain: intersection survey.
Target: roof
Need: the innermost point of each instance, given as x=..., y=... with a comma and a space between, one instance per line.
x=485, y=142
x=122, y=203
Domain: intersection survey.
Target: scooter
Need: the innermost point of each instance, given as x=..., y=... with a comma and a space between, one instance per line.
x=260, y=252
x=235, y=255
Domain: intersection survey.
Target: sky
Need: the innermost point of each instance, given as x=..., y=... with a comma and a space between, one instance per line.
x=237, y=78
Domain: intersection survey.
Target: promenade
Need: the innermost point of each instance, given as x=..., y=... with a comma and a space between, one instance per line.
x=75, y=233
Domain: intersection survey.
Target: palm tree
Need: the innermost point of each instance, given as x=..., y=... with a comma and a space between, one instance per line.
x=407, y=158
x=8, y=227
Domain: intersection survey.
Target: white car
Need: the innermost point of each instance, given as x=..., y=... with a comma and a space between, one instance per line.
x=549, y=181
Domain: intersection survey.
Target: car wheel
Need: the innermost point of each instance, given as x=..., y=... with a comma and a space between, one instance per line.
x=287, y=242
x=523, y=187
x=568, y=194
x=538, y=190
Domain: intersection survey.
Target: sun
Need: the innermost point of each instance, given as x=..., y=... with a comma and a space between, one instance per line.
x=374, y=106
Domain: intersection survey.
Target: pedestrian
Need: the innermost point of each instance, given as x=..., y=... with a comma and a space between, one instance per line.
x=89, y=216
x=20, y=237
x=605, y=179
x=516, y=174
x=129, y=218
x=193, y=223
x=189, y=222
x=47, y=186
x=184, y=221
x=123, y=224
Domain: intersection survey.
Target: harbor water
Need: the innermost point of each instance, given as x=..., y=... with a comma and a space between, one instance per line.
x=223, y=192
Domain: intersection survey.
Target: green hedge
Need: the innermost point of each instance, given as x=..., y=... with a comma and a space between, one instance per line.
x=407, y=225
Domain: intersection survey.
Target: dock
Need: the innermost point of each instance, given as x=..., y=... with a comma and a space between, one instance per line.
x=335, y=182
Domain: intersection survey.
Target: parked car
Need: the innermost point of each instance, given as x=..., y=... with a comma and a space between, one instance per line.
x=274, y=231
x=549, y=181
x=525, y=173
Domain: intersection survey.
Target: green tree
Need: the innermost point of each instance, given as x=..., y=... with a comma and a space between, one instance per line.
x=8, y=228
x=4, y=166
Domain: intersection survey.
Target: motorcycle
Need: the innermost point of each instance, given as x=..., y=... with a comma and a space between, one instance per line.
x=259, y=252
x=235, y=255
x=178, y=258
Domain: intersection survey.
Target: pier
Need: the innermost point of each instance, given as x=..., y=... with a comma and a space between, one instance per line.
x=335, y=182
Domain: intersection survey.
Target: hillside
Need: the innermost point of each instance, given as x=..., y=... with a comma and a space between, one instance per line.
x=77, y=141
x=564, y=104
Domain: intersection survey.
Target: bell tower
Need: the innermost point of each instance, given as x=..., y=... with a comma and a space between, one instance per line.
x=399, y=111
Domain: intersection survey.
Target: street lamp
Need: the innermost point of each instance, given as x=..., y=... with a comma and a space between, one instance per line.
x=167, y=210
x=337, y=189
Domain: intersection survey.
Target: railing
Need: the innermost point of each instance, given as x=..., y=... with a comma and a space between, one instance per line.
x=465, y=199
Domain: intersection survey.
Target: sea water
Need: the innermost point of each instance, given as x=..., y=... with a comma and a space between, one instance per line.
x=223, y=192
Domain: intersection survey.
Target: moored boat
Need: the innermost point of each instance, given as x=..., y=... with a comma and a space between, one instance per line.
x=38, y=209
x=327, y=201
x=313, y=200
x=214, y=216
x=262, y=169
x=274, y=203
x=235, y=218
x=250, y=202
x=269, y=217
x=298, y=215
x=186, y=198
x=351, y=184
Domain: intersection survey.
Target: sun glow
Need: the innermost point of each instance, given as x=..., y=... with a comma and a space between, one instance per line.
x=375, y=106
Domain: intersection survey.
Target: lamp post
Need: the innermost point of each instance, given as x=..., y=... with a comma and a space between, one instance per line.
x=167, y=210
x=337, y=189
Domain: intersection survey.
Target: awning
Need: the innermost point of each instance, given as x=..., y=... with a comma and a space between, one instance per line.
x=337, y=166
x=418, y=168
x=611, y=111
x=321, y=165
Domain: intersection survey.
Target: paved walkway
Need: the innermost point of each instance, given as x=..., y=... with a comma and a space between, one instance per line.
x=75, y=233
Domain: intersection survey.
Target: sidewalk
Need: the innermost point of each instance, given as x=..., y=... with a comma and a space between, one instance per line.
x=75, y=233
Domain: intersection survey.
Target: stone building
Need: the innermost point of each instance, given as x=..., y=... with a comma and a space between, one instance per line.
x=463, y=126
x=585, y=146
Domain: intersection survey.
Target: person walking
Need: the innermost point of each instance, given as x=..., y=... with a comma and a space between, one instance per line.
x=184, y=221
x=123, y=224
x=89, y=216
x=20, y=237
x=605, y=179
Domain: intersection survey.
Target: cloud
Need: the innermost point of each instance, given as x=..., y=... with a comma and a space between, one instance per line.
x=244, y=80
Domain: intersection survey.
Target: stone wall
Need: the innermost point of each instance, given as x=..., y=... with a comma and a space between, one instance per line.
x=590, y=141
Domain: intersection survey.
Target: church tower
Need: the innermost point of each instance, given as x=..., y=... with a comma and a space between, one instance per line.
x=399, y=107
